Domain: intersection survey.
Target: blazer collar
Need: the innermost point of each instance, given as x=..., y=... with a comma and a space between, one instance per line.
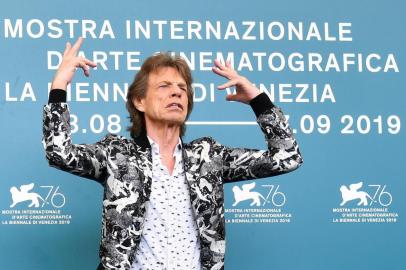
x=142, y=140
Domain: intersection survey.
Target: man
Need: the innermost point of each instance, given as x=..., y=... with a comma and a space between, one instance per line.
x=163, y=198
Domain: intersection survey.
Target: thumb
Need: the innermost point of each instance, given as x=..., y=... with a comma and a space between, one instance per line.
x=232, y=97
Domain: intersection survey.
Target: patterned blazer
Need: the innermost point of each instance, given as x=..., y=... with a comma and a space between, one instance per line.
x=124, y=168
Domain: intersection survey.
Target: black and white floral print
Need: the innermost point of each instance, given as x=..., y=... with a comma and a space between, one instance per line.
x=124, y=168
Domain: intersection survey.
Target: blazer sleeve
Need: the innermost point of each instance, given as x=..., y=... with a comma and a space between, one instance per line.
x=282, y=156
x=86, y=160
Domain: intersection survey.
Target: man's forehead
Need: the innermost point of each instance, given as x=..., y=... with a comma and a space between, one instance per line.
x=161, y=71
x=166, y=73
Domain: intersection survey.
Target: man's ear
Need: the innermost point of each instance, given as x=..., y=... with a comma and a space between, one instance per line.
x=139, y=104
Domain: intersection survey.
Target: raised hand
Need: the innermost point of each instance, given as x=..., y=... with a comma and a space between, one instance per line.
x=245, y=90
x=70, y=61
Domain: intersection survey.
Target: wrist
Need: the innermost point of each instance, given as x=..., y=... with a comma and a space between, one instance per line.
x=59, y=84
x=253, y=95
x=251, y=91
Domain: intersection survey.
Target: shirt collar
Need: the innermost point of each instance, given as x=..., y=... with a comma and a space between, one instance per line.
x=153, y=143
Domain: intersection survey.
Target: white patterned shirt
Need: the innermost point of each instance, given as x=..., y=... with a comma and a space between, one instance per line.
x=170, y=238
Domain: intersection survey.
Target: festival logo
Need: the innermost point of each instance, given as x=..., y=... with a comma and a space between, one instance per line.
x=364, y=204
x=263, y=204
x=31, y=205
x=23, y=195
x=246, y=194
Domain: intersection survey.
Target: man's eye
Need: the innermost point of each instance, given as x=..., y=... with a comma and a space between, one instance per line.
x=163, y=85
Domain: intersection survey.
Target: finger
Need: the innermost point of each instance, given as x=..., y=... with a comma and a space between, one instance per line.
x=220, y=72
x=85, y=68
x=77, y=45
x=86, y=72
x=228, y=64
x=67, y=48
x=90, y=63
x=218, y=64
x=227, y=85
x=82, y=59
x=78, y=65
x=84, y=62
x=82, y=65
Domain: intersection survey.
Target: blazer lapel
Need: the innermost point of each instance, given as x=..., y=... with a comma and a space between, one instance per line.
x=143, y=149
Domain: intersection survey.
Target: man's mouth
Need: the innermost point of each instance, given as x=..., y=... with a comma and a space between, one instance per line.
x=175, y=105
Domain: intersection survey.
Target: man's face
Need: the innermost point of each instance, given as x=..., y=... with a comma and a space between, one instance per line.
x=166, y=98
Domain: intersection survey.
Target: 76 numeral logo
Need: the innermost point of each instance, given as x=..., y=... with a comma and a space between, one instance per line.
x=383, y=197
x=55, y=198
x=274, y=196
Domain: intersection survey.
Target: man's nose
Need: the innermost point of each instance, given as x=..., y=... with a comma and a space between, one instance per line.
x=176, y=90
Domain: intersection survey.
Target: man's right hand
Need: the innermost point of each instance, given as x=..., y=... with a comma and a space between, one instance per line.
x=67, y=68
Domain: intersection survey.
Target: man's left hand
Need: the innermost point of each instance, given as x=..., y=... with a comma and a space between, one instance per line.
x=245, y=90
